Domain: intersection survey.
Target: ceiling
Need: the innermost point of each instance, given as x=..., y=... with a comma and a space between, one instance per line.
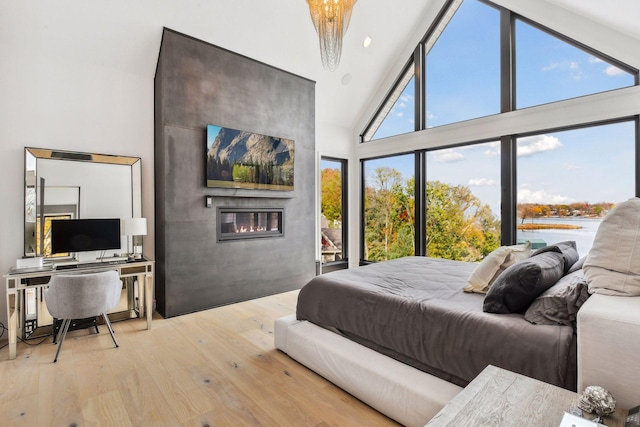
x=124, y=36
x=288, y=41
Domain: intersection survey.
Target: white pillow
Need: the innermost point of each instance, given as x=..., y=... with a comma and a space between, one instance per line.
x=612, y=266
x=495, y=263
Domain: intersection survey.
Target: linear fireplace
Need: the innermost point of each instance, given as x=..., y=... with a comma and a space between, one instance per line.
x=249, y=223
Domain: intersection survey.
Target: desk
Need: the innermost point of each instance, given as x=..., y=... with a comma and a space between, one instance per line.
x=16, y=280
x=500, y=397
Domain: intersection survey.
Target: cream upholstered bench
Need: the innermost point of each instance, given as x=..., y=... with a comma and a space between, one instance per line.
x=609, y=347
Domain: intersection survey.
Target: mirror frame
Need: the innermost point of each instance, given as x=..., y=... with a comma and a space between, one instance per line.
x=32, y=185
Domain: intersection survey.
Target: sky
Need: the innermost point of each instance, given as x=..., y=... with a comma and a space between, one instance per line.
x=212, y=133
x=586, y=165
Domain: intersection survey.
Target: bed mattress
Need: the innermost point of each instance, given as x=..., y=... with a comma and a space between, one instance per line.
x=414, y=310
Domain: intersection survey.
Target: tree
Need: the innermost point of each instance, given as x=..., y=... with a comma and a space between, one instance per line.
x=387, y=183
x=459, y=225
x=527, y=210
x=331, y=194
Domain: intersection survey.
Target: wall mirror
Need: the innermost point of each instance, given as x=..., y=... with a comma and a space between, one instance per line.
x=68, y=185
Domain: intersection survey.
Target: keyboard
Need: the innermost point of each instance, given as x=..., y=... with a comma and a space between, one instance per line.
x=89, y=264
x=66, y=266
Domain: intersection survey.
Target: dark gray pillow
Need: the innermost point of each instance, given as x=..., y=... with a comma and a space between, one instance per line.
x=559, y=304
x=567, y=249
x=517, y=286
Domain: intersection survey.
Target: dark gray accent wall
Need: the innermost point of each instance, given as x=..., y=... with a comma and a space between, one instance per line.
x=196, y=84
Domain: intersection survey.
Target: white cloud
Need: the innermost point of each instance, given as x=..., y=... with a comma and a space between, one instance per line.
x=594, y=60
x=573, y=65
x=483, y=182
x=572, y=167
x=540, y=196
x=550, y=67
x=399, y=114
x=613, y=71
x=531, y=145
x=448, y=155
x=578, y=76
x=493, y=149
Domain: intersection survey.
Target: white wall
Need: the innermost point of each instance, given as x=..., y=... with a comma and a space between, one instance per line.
x=53, y=98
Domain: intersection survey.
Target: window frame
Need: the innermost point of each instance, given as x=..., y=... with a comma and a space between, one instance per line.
x=344, y=174
x=508, y=151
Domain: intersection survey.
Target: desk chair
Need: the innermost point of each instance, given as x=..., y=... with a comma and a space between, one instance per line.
x=79, y=296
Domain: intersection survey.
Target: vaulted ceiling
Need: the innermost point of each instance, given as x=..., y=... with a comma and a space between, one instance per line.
x=125, y=36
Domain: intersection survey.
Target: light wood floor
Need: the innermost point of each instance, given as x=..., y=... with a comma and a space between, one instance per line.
x=212, y=368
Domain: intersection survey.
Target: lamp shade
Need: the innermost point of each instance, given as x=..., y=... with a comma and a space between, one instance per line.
x=135, y=227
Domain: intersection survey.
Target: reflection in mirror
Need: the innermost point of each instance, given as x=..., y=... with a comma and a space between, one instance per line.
x=72, y=185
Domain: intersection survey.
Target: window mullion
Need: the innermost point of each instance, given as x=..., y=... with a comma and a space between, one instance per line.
x=420, y=119
x=507, y=62
x=508, y=190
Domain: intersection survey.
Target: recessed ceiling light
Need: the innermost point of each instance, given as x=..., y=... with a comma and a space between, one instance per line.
x=366, y=42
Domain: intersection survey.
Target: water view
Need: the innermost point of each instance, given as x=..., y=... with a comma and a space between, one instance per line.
x=582, y=236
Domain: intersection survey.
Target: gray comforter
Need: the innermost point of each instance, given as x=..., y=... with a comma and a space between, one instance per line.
x=414, y=309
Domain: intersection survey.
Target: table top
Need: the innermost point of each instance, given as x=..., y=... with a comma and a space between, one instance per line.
x=498, y=397
x=49, y=269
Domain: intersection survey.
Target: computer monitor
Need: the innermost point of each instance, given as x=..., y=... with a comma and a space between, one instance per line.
x=82, y=235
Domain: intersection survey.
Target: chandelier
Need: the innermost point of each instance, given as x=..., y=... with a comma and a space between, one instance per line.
x=331, y=19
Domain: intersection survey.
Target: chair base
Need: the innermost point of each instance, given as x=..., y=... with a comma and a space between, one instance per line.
x=65, y=328
x=89, y=322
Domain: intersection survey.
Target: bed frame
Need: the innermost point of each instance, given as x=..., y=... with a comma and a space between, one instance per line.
x=608, y=355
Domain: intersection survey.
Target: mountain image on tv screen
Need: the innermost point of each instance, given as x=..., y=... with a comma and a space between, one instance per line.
x=240, y=159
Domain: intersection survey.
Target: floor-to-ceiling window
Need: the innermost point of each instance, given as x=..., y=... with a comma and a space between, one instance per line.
x=550, y=69
x=333, y=210
x=483, y=62
x=463, y=201
x=568, y=181
x=463, y=66
x=389, y=210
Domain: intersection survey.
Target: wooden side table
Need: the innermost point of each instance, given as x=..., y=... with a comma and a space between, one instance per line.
x=498, y=397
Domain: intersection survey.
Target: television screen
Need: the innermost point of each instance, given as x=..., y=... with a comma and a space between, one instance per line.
x=240, y=159
x=82, y=235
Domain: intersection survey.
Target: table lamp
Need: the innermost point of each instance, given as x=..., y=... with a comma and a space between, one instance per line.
x=135, y=228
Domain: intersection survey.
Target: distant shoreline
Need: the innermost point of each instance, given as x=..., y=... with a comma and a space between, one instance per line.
x=541, y=226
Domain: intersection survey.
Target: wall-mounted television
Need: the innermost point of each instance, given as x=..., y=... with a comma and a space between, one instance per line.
x=82, y=235
x=241, y=159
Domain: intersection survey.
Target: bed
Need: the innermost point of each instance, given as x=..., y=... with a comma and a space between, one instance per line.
x=413, y=309
x=402, y=336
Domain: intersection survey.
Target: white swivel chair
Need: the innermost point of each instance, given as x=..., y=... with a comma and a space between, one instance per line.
x=80, y=296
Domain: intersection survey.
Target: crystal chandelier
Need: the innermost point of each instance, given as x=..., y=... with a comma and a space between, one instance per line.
x=331, y=19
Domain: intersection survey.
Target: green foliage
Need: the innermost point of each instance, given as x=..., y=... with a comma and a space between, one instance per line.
x=331, y=193
x=241, y=173
x=459, y=225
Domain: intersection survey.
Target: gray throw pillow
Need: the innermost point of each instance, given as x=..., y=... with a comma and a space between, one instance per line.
x=559, y=304
x=517, y=286
x=578, y=265
x=567, y=249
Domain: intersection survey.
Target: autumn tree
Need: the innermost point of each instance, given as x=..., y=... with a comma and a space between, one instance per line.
x=379, y=214
x=527, y=210
x=459, y=225
x=331, y=194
